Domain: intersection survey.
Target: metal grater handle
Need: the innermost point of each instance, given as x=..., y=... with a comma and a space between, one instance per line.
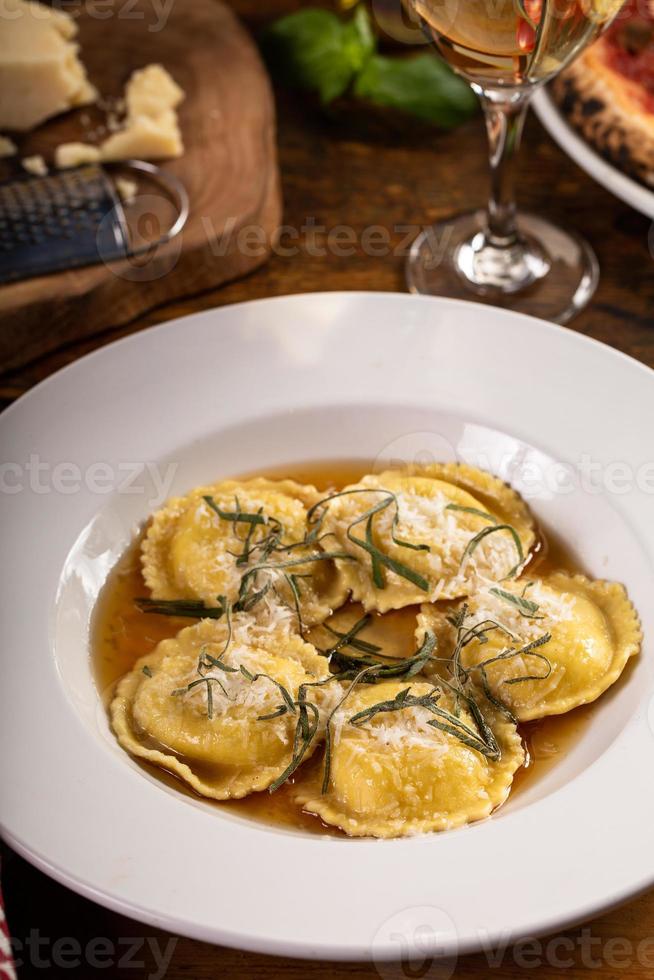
x=177, y=191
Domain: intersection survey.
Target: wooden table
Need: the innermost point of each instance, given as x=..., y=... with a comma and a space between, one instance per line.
x=334, y=175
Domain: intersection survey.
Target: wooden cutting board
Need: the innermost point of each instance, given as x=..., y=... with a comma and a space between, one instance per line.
x=229, y=170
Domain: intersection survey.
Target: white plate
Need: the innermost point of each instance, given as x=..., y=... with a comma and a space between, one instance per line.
x=628, y=190
x=278, y=381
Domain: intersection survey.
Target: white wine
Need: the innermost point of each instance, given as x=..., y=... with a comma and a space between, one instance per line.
x=505, y=48
x=510, y=43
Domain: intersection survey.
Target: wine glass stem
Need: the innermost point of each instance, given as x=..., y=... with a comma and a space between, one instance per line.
x=505, y=119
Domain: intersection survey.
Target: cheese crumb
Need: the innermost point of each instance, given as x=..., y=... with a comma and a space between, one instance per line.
x=7, y=147
x=75, y=154
x=35, y=165
x=127, y=189
x=40, y=72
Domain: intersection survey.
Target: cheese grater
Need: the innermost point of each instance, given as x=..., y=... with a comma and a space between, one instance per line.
x=71, y=219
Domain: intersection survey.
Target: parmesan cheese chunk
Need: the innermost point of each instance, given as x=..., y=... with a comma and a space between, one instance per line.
x=40, y=72
x=145, y=138
x=150, y=130
x=150, y=91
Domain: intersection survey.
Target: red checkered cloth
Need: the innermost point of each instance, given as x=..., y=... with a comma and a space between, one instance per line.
x=7, y=971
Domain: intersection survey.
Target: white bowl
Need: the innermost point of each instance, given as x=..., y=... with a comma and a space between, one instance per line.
x=315, y=377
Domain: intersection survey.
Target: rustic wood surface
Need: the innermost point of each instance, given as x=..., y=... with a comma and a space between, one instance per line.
x=349, y=170
x=229, y=169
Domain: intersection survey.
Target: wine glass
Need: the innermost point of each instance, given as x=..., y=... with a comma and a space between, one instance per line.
x=506, y=49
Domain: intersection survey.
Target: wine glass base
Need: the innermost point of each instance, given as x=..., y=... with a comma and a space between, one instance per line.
x=553, y=275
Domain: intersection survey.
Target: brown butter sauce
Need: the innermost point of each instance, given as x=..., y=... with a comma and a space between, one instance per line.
x=120, y=635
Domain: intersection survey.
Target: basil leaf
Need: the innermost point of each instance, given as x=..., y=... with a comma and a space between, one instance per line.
x=360, y=41
x=313, y=49
x=422, y=85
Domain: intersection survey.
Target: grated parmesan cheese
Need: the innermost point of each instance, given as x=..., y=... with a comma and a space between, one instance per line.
x=394, y=730
x=554, y=607
x=426, y=520
x=247, y=648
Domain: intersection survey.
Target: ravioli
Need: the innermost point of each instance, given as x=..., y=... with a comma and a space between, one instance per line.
x=191, y=552
x=312, y=607
x=426, y=523
x=593, y=629
x=394, y=775
x=188, y=708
